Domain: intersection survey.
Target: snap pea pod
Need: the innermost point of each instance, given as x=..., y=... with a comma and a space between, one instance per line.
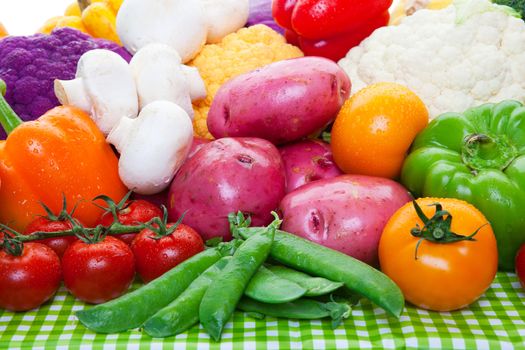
x=301, y=309
x=267, y=287
x=183, y=312
x=226, y=290
x=312, y=258
x=133, y=309
x=315, y=286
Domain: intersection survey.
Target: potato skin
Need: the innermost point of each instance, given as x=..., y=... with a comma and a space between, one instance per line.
x=307, y=161
x=281, y=102
x=346, y=213
x=225, y=176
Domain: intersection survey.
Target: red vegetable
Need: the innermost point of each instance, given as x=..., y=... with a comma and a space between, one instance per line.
x=98, y=272
x=158, y=252
x=129, y=213
x=330, y=28
x=28, y=280
x=520, y=265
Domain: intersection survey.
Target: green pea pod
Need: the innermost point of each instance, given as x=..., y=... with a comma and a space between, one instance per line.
x=315, y=286
x=267, y=287
x=312, y=258
x=133, y=309
x=301, y=309
x=224, y=293
x=183, y=312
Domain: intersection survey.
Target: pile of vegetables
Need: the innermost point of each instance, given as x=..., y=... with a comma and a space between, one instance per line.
x=406, y=155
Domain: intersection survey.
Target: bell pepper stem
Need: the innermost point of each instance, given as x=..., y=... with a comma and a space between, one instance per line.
x=8, y=117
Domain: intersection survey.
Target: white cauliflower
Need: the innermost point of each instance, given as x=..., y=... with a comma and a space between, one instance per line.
x=470, y=53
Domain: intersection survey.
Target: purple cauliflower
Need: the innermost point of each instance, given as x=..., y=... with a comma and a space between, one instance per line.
x=30, y=64
x=261, y=13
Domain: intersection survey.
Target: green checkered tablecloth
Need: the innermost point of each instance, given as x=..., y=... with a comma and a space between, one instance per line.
x=496, y=321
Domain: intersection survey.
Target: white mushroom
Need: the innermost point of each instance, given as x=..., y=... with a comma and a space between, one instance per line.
x=178, y=23
x=224, y=17
x=160, y=75
x=103, y=87
x=152, y=146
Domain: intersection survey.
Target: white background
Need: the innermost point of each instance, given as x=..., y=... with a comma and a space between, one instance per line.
x=23, y=17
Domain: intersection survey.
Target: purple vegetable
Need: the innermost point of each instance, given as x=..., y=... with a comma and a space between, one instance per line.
x=30, y=64
x=261, y=13
x=307, y=161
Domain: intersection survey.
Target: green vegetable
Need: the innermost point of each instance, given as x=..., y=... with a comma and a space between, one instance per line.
x=183, y=312
x=267, y=287
x=317, y=260
x=302, y=309
x=315, y=286
x=133, y=309
x=224, y=293
x=518, y=5
x=479, y=157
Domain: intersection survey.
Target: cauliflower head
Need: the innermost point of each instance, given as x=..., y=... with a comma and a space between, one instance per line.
x=238, y=53
x=456, y=58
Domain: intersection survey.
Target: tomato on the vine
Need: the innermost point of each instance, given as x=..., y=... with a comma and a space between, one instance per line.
x=98, y=272
x=45, y=224
x=158, y=252
x=130, y=213
x=442, y=262
x=28, y=280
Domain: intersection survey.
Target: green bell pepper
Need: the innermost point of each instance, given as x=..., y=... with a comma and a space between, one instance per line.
x=479, y=157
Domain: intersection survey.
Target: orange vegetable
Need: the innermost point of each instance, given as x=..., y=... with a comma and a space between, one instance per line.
x=444, y=276
x=3, y=31
x=374, y=129
x=63, y=152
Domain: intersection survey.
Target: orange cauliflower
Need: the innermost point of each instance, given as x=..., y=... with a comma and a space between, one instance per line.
x=240, y=52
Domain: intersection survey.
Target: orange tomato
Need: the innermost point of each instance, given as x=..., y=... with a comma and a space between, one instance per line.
x=375, y=128
x=445, y=276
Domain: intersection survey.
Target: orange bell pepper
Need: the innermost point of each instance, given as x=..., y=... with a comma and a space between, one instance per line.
x=61, y=153
x=3, y=31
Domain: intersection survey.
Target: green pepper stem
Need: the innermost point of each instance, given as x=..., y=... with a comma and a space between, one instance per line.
x=481, y=151
x=8, y=117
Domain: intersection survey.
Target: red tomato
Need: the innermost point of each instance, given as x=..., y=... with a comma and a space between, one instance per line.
x=154, y=256
x=29, y=280
x=520, y=265
x=98, y=272
x=44, y=224
x=139, y=211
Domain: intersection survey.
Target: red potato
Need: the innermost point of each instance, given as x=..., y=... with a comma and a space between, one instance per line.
x=161, y=198
x=225, y=176
x=346, y=213
x=282, y=102
x=307, y=161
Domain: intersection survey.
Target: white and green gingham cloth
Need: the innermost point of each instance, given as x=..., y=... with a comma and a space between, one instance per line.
x=496, y=321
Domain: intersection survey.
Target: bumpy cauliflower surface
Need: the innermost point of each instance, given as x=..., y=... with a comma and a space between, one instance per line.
x=237, y=53
x=30, y=64
x=465, y=55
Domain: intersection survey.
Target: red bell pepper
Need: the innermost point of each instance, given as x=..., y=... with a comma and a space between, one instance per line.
x=330, y=28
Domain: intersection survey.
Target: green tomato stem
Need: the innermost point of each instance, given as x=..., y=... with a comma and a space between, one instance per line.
x=8, y=118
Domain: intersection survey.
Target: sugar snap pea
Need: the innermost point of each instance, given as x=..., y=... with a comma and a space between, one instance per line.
x=133, y=309
x=226, y=290
x=314, y=286
x=314, y=259
x=267, y=287
x=301, y=309
x=183, y=312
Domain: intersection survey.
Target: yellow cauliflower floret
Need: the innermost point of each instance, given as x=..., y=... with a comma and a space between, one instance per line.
x=247, y=49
